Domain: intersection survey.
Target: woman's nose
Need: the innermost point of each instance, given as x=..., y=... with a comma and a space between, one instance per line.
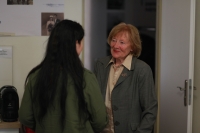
x=116, y=44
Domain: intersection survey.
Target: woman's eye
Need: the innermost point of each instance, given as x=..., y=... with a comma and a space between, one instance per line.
x=113, y=40
x=122, y=43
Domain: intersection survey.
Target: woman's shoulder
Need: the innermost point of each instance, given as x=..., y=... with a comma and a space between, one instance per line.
x=103, y=61
x=137, y=63
x=88, y=73
x=90, y=78
x=33, y=75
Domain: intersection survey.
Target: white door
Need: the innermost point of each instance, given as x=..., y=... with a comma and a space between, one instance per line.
x=176, y=62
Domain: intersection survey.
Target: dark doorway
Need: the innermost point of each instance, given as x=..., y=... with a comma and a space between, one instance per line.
x=140, y=13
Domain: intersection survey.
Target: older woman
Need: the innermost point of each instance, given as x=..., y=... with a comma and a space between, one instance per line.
x=127, y=84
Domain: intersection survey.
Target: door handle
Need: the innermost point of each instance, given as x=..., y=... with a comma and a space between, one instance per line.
x=194, y=88
x=185, y=92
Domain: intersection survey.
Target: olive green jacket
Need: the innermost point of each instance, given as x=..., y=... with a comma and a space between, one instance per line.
x=96, y=116
x=133, y=98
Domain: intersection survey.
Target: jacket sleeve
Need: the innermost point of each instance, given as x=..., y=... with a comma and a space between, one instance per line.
x=148, y=101
x=95, y=104
x=26, y=115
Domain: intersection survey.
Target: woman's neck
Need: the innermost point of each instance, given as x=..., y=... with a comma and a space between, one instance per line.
x=118, y=62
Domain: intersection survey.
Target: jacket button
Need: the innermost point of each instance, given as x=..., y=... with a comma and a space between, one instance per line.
x=115, y=108
x=116, y=123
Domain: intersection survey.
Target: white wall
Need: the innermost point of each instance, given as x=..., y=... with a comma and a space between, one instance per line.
x=29, y=51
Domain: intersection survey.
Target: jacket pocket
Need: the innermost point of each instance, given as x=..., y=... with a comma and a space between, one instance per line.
x=134, y=126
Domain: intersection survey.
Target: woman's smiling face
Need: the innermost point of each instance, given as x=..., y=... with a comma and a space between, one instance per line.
x=120, y=46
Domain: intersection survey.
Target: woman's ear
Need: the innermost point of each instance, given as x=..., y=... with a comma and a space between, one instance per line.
x=79, y=47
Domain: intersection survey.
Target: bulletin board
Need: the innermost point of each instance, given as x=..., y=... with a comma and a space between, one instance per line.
x=6, y=65
x=28, y=17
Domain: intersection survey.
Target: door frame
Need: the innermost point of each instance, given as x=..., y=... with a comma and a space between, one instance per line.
x=191, y=63
x=157, y=59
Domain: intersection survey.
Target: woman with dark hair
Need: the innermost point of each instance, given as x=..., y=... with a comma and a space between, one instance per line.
x=61, y=96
